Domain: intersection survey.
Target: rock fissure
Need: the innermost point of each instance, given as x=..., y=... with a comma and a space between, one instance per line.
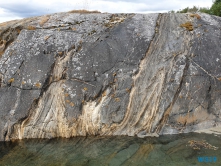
x=214, y=77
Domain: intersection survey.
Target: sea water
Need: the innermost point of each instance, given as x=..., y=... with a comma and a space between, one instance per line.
x=169, y=150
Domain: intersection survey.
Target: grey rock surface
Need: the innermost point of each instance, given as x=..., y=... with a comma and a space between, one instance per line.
x=68, y=74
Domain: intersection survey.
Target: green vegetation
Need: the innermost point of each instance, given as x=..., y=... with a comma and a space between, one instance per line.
x=215, y=9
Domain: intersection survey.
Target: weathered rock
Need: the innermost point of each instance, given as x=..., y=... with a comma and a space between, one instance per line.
x=69, y=74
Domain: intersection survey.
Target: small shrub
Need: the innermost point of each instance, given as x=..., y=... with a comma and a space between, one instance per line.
x=84, y=11
x=185, y=10
x=216, y=9
x=205, y=10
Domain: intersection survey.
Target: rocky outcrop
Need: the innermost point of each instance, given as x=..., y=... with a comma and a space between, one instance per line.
x=69, y=74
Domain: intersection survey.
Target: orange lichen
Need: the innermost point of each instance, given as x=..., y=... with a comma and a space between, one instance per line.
x=128, y=90
x=11, y=80
x=38, y=84
x=187, y=119
x=197, y=145
x=188, y=25
x=195, y=15
x=113, y=95
x=67, y=101
x=72, y=104
x=104, y=94
x=60, y=53
x=46, y=37
x=117, y=99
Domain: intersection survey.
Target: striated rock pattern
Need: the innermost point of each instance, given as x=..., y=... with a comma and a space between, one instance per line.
x=69, y=74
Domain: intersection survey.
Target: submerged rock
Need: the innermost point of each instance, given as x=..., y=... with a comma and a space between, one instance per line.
x=72, y=74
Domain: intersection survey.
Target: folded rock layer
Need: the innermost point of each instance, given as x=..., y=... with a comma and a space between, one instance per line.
x=73, y=74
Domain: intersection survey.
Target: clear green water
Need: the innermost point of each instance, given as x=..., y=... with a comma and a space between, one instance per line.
x=172, y=150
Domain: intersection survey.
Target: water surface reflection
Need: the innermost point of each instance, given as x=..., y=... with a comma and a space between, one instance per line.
x=112, y=151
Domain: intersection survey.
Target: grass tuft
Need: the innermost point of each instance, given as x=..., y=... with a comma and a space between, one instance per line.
x=43, y=20
x=31, y=27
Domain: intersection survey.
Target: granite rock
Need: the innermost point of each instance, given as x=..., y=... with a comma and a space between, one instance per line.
x=73, y=74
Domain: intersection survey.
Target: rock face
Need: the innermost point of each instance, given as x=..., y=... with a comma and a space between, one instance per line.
x=69, y=74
